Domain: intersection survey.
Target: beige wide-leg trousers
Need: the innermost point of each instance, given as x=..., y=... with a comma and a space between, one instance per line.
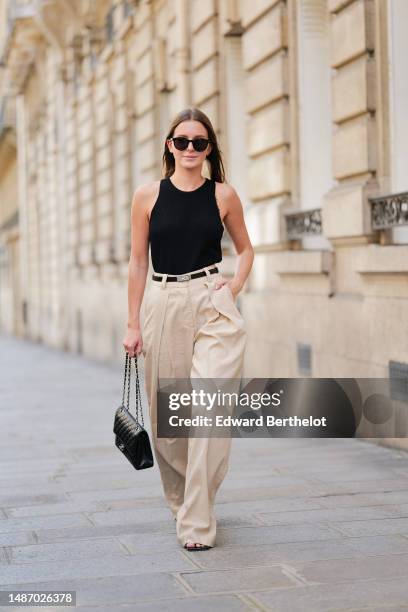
x=191, y=330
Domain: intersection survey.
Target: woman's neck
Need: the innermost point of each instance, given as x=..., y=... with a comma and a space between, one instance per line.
x=187, y=179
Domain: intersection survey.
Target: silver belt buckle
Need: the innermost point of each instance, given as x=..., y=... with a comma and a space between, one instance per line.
x=183, y=277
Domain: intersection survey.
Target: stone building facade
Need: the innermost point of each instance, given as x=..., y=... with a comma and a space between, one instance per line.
x=308, y=98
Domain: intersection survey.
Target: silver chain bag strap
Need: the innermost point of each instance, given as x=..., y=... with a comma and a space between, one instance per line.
x=131, y=438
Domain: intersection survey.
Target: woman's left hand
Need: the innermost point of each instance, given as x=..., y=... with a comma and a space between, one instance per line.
x=235, y=289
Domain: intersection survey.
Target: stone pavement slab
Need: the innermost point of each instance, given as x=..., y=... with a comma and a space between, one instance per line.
x=368, y=595
x=77, y=566
x=303, y=524
x=113, y=590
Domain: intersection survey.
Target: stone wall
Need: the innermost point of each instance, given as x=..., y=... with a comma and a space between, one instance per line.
x=101, y=84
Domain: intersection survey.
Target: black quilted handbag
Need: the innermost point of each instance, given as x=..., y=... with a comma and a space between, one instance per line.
x=131, y=438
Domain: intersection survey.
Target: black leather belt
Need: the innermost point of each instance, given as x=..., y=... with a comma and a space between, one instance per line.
x=184, y=277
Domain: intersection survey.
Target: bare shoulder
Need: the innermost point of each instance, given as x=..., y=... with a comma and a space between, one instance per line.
x=227, y=199
x=225, y=191
x=145, y=196
x=146, y=190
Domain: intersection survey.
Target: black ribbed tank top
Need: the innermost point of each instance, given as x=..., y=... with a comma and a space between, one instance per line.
x=185, y=228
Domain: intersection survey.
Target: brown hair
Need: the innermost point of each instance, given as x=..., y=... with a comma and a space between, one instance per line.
x=217, y=172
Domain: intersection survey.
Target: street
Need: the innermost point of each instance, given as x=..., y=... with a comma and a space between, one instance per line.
x=303, y=524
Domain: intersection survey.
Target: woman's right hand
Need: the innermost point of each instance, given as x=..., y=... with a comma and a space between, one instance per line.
x=133, y=341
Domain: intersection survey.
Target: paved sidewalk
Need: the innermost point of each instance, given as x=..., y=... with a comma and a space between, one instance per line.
x=302, y=524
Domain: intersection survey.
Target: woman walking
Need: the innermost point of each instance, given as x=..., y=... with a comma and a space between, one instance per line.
x=189, y=326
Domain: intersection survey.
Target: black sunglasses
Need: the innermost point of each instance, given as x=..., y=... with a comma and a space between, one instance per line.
x=181, y=143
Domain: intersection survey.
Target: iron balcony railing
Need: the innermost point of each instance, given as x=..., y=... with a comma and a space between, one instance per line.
x=389, y=210
x=303, y=223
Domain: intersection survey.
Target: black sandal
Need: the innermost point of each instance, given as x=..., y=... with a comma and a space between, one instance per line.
x=194, y=547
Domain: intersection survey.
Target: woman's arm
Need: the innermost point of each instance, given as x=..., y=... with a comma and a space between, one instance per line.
x=235, y=224
x=139, y=256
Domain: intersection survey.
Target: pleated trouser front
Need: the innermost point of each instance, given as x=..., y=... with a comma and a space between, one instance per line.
x=191, y=330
